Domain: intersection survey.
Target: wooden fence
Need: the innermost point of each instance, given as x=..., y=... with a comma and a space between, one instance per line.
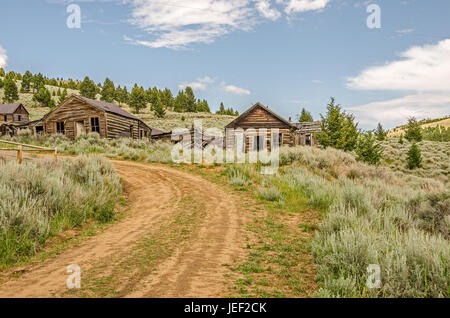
x=21, y=148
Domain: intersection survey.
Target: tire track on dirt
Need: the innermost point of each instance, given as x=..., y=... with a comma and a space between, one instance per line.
x=194, y=269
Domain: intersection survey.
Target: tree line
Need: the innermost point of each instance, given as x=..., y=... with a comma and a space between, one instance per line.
x=138, y=98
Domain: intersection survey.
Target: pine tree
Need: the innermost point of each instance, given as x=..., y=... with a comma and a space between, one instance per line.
x=38, y=80
x=121, y=95
x=380, y=133
x=108, y=91
x=10, y=94
x=2, y=72
x=367, y=149
x=305, y=116
x=400, y=140
x=339, y=129
x=88, y=88
x=44, y=97
x=414, y=157
x=413, y=130
x=138, y=98
x=1, y=83
x=168, y=100
x=190, y=100
x=158, y=108
x=180, y=102
x=62, y=96
x=26, y=82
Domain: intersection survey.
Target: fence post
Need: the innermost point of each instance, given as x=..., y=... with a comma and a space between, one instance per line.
x=19, y=154
x=55, y=154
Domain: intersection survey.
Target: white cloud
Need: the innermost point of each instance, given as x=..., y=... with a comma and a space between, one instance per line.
x=422, y=69
x=266, y=10
x=305, y=5
x=395, y=111
x=199, y=85
x=3, y=57
x=178, y=24
x=234, y=89
x=317, y=81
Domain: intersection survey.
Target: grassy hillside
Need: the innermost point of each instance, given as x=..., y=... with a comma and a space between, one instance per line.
x=169, y=122
x=400, y=130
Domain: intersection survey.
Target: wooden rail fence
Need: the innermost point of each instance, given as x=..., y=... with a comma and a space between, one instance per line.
x=23, y=148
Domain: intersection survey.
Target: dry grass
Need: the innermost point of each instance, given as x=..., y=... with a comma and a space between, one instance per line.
x=396, y=132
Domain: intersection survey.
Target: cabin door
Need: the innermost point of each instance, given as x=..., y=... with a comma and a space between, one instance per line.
x=79, y=127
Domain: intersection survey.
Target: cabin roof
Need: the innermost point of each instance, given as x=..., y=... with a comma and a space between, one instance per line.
x=108, y=107
x=156, y=132
x=9, y=109
x=308, y=127
x=267, y=109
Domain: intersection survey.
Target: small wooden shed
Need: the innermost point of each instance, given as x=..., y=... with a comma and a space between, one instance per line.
x=78, y=115
x=14, y=114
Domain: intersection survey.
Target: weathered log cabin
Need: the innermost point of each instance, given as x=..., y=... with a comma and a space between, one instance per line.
x=14, y=114
x=78, y=115
x=259, y=116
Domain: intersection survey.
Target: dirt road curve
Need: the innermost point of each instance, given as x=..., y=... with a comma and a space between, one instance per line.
x=193, y=268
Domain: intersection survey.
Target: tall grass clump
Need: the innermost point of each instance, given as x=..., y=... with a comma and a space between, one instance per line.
x=371, y=215
x=39, y=200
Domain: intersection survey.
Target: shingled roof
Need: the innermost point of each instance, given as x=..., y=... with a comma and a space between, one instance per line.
x=8, y=109
x=108, y=107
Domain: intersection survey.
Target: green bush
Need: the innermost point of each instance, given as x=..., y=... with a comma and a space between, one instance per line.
x=414, y=157
x=34, y=202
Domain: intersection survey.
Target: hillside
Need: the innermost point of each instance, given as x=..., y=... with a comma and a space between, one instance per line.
x=400, y=130
x=169, y=122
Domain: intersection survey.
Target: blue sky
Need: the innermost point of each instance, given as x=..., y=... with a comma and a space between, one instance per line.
x=286, y=54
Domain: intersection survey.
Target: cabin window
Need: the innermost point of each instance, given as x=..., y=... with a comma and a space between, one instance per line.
x=5, y=118
x=95, y=124
x=39, y=129
x=258, y=143
x=141, y=133
x=280, y=140
x=60, y=127
x=19, y=118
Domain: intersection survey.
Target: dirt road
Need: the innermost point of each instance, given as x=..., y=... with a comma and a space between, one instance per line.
x=158, y=249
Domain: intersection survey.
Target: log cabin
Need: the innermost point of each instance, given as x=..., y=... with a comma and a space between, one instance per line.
x=14, y=114
x=259, y=116
x=78, y=115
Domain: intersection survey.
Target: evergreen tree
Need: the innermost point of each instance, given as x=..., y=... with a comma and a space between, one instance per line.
x=180, y=102
x=44, y=97
x=2, y=72
x=414, y=157
x=88, y=88
x=190, y=100
x=168, y=100
x=38, y=81
x=138, y=98
x=10, y=90
x=108, y=91
x=158, y=108
x=152, y=97
x=62, y=96
x=26, y=82
x=305, y=116
x=368, y=149
x=400, y=140
x=1, y=83
x=380, y=133
x=413, y=130
x=339, y=129
x=122, y=95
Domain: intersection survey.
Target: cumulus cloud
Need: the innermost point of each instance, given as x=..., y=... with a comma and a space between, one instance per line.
x=178, y=24
x=305, y=5
x=234, y=89
x=3, y=57
x=422, y=69
x=199, y=85
x=395, y=111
